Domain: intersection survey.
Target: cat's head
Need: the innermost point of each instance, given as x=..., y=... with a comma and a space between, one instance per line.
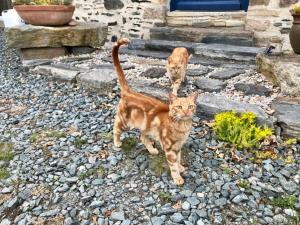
x=175, y=65
x=182, y=108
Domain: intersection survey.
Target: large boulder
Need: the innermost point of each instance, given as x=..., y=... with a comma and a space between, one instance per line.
x=283, y=71
x=83, y=34
x=209, y=105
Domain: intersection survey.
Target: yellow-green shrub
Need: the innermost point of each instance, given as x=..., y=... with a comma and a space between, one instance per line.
x=240, y=131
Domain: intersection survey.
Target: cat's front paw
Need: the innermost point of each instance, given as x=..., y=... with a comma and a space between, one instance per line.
x=118, y=144
x=178, y=180
x=153, y=151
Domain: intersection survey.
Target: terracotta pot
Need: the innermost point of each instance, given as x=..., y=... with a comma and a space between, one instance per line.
x=46, y=15
x=295, y=34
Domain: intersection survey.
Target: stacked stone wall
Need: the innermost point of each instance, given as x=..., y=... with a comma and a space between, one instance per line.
x=131, y=18
x=269, y=19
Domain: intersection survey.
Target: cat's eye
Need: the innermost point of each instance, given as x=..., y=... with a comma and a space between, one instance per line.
x=179, y=107
x=191, y=106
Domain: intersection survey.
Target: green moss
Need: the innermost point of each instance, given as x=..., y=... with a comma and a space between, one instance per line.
x=244, y=184
x=165, y=197
x=129, y=144
x=158, y=164
x=4, y=173
x=240, y=131
x=6, y=153
x=286, y=201
x=79, y=142
x=46, y=134
x=34, y=138
x=100, y=171
x=55, y=134
x=108, y=136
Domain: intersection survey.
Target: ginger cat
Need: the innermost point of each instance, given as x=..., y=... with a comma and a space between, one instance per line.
x=168, y=124
x=176, y=67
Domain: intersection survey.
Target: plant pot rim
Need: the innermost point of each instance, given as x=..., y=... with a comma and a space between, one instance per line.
x=45, y=7
x=295, y=14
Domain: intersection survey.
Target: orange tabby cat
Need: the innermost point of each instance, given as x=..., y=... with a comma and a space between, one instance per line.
x=168, y=124
x=176, y=67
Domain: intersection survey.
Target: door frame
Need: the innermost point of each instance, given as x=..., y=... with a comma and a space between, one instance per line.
x=244, y=5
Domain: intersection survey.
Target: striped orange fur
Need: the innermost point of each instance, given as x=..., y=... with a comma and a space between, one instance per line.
x=169, y=124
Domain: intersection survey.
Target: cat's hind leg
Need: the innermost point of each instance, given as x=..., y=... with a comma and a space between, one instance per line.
x=149, y=145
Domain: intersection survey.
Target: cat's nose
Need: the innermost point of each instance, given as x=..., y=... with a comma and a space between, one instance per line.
x=185, y=112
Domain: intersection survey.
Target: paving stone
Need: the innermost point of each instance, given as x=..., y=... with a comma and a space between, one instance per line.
x=160, y=45
x=83, y=34
x=226, y=74
x=288, y=116
x=150, y=88
x=198, y=72
x=210, y=85
x=102, y=80
x=57, y=72
x=229, y=52
x=154, y=72
x=210, y=105
x=253, y=89
x=145, y=53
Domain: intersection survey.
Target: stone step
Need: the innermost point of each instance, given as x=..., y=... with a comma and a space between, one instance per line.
x=232, y=36
x=216, y=51
x=206, y=19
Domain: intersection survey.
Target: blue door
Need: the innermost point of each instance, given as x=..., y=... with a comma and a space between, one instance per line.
x=209, y=5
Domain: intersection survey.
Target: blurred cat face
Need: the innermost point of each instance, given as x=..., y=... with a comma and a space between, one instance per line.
x=175, y=66
x=183, y=108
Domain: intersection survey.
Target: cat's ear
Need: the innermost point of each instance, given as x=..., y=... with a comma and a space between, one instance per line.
x=172, y=98
x=169, y=59
x=194, y=96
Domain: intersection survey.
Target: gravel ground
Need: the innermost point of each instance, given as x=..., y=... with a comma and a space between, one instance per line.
x=66, y=171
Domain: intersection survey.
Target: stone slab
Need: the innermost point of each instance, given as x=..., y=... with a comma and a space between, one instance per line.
x=57, y=72
x=198, y=72
x=150, y=88
x=283, y=71
x=209, y=105
x=253, y=89
x=101, y=80
x=288, y=116
x=230, y=52
x=210, y=85
x=84, y=34
x=230, y=36
x=145, y=53
x=154, y=72
x=42, y=53
x=36, y=62
x=160, y=45
x=226, y=74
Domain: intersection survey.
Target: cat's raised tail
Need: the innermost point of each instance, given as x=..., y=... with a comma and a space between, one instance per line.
x=115, y=54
